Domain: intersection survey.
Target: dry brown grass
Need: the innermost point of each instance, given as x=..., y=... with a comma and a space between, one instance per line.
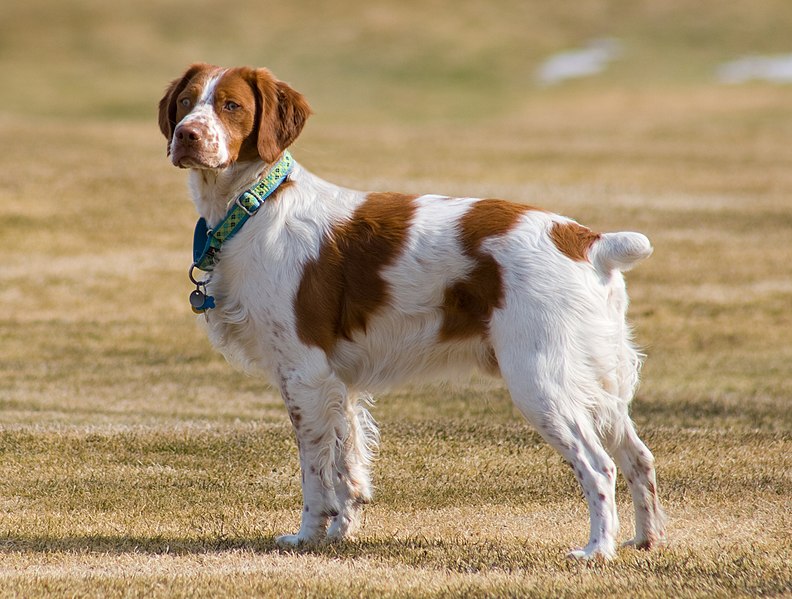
x=134, y=462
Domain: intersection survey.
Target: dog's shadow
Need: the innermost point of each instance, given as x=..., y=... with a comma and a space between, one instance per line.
x=151, y=545
x=456, y=554
x=161, y=545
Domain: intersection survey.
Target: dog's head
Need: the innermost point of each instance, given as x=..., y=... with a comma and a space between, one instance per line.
x=213, y=117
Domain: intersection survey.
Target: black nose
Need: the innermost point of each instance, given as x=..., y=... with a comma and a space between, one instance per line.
x=187, y=133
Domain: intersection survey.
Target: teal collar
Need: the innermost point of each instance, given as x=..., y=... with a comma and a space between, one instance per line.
x=207, y=242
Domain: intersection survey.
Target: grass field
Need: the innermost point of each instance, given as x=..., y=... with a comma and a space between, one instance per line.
x=134, y=462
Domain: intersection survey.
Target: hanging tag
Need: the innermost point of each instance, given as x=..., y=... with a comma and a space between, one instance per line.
x=197, y=298
x=201, y=302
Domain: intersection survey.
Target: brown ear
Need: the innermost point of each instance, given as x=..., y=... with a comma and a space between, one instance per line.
x=283, y=113
x=167, y=105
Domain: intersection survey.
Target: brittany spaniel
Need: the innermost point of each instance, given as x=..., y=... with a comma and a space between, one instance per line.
x=334, y=293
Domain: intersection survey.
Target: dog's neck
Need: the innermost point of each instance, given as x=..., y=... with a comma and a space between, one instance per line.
x=213, y=191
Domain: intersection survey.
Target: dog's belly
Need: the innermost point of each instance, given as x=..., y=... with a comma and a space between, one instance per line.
x=398, y=349
x=392, y=352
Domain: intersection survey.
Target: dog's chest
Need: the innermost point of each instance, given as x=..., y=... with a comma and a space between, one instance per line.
x=254, y=285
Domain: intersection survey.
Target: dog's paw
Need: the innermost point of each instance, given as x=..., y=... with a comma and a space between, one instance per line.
x=343, y=528
x=337, y=531
x=645, y=544
x=345, y=525
x=590, y=552
x=288, y=541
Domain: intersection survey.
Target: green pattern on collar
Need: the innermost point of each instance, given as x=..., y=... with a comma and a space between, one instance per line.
x=208, y=242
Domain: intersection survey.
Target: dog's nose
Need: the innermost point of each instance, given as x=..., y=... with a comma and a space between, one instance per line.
x=187, y=133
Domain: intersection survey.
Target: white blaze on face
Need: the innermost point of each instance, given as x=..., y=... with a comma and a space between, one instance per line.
x=214, y=140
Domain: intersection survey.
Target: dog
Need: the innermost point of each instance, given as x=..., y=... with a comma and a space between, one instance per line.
x=334, y=293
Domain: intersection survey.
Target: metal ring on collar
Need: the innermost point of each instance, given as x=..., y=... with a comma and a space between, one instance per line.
x=196, y=282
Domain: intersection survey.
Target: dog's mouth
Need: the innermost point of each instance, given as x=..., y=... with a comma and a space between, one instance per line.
x=187, y=162
x=186, y=158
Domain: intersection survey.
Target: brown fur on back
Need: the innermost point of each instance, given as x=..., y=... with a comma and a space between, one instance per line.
x=573, y=240
x=343, y=287
x=468, y=303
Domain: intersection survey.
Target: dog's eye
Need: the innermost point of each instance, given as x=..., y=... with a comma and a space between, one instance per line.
x=185, y=102
x=231, y=106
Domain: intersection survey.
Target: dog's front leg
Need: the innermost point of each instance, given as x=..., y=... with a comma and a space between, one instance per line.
x=353, y=480
x=316, y=408
x=319, y=503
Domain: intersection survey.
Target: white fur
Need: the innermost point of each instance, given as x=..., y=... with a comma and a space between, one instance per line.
x=203, y=118
x=560, y=338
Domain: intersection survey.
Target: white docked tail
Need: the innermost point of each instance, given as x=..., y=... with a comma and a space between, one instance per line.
x=619, y=251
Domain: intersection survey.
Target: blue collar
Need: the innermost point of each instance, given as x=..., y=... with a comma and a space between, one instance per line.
x=207, y=242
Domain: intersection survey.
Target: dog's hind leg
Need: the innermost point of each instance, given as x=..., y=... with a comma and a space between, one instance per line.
x=572, y=433
x=637, y=464
x=632, y=456
x=544, y=385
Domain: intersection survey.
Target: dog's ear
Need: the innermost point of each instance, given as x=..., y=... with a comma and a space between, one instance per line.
x=167, y=105
x=282, y=114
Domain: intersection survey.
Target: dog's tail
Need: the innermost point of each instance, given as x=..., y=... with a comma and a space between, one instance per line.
x=619, y=251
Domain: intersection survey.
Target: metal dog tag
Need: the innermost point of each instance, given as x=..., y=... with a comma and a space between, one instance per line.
x=197, y=298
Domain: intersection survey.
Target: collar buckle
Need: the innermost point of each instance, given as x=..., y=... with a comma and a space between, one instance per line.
x=252, y=210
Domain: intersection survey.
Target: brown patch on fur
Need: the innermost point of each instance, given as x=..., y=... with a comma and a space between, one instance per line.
x=170, y=111
x=468, y=303
x=269, y=117
x=573, y=240
x=236, y=105
x=343, y=287
x=281, y=112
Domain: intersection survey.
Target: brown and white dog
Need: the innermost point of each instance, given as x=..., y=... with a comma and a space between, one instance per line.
x=335, y=293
